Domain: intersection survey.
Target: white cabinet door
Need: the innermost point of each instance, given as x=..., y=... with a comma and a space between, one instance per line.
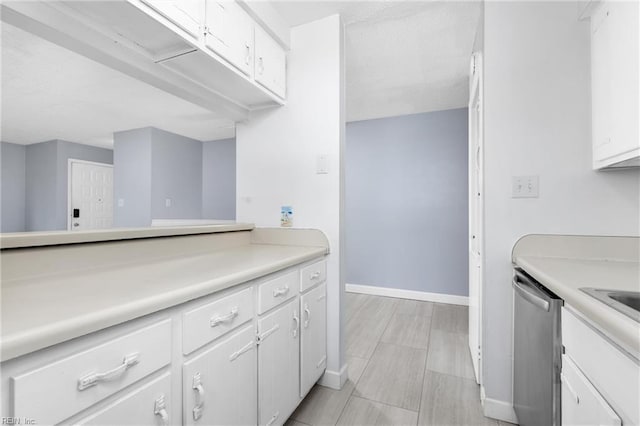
x=229, y=33
x=187, y=14
x=149, y=405
x=219, y=385
x=313, y=349
x=582, y=404
x=270, y=63
x=278, y=364
x=615, y=56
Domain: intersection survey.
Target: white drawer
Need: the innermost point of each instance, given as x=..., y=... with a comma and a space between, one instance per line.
x=275, y=291
x=61, y=389
x=582, y=404
x=613, y=373
x=148, y=405
x=312, y=275
x=208, y=322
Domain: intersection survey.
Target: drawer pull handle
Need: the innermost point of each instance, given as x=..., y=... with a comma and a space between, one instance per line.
x=281, y=291
x=197, y=386
x=308, y=312
x=93, y=379
x=224, y=318
x=273, y=419
x=570, y=388
x=160, y=409
x=297, y=321
x=315, y=275
x=242, y=350
x=262, y=337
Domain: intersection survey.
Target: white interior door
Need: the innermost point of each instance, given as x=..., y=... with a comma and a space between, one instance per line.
x=90, y=195
x=475, y=217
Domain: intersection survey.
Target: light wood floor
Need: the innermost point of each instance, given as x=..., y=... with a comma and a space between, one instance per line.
x=409, y=364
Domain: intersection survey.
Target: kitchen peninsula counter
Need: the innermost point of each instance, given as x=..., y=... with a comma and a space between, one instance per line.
x=57, y=292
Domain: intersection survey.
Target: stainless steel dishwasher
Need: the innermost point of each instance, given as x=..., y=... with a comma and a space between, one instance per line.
x=537, y=352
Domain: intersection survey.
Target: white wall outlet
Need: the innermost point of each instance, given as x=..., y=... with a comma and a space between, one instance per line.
x=524, y=187
x=167, y=202
x=322, y=164
x=120, y=202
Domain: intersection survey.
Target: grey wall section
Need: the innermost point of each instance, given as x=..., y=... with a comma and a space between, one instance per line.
x=132, y=178
x=12, y=187
x=219, y=179
x=406, y=202
x=70, y=150
x=176, y=174
x=41, y=203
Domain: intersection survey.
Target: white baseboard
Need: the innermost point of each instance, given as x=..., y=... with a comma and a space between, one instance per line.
x=334, y=379
x=500, y=410
x=407, y=294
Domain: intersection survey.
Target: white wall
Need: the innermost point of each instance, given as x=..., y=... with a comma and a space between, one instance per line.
x=537, y=122
x=276, y=158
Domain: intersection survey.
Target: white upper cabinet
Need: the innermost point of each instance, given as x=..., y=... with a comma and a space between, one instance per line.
x=186, y=14
x=270, y=63
x=229, y=33
x=615, y=55
x=201, y=51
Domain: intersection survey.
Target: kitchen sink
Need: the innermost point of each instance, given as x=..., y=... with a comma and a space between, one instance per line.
x=625, y=302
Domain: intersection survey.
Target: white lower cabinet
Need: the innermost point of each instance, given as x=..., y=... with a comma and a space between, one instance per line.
x=246, y=356
x=218, y=386
x=599, y=378
x=147, y=405
x=278, y=364
x=313, y=347
x=582, y=404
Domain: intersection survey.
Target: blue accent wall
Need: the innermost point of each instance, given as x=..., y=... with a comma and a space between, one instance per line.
x=406, y=202
x=12, y=182
x=219, y=179
x=132, y=178
x=176, y=174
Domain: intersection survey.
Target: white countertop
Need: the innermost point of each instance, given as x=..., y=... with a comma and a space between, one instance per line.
x=566, y=275
x=42, y=311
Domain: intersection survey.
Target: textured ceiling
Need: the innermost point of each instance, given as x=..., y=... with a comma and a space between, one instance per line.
x=402, y=57
x=49, y=92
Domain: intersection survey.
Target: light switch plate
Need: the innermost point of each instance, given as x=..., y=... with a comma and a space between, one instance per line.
x=322, y=164
x=524, y=187
x=167, y=202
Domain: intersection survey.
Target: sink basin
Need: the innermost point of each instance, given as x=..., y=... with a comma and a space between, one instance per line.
x=625, y=302
x=632, y=300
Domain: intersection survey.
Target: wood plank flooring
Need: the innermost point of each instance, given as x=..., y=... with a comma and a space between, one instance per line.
x=409, y=364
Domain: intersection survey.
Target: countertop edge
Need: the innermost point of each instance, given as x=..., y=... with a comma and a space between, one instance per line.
x=50, y=238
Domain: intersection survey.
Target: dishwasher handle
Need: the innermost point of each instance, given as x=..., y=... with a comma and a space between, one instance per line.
x=529, y=293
